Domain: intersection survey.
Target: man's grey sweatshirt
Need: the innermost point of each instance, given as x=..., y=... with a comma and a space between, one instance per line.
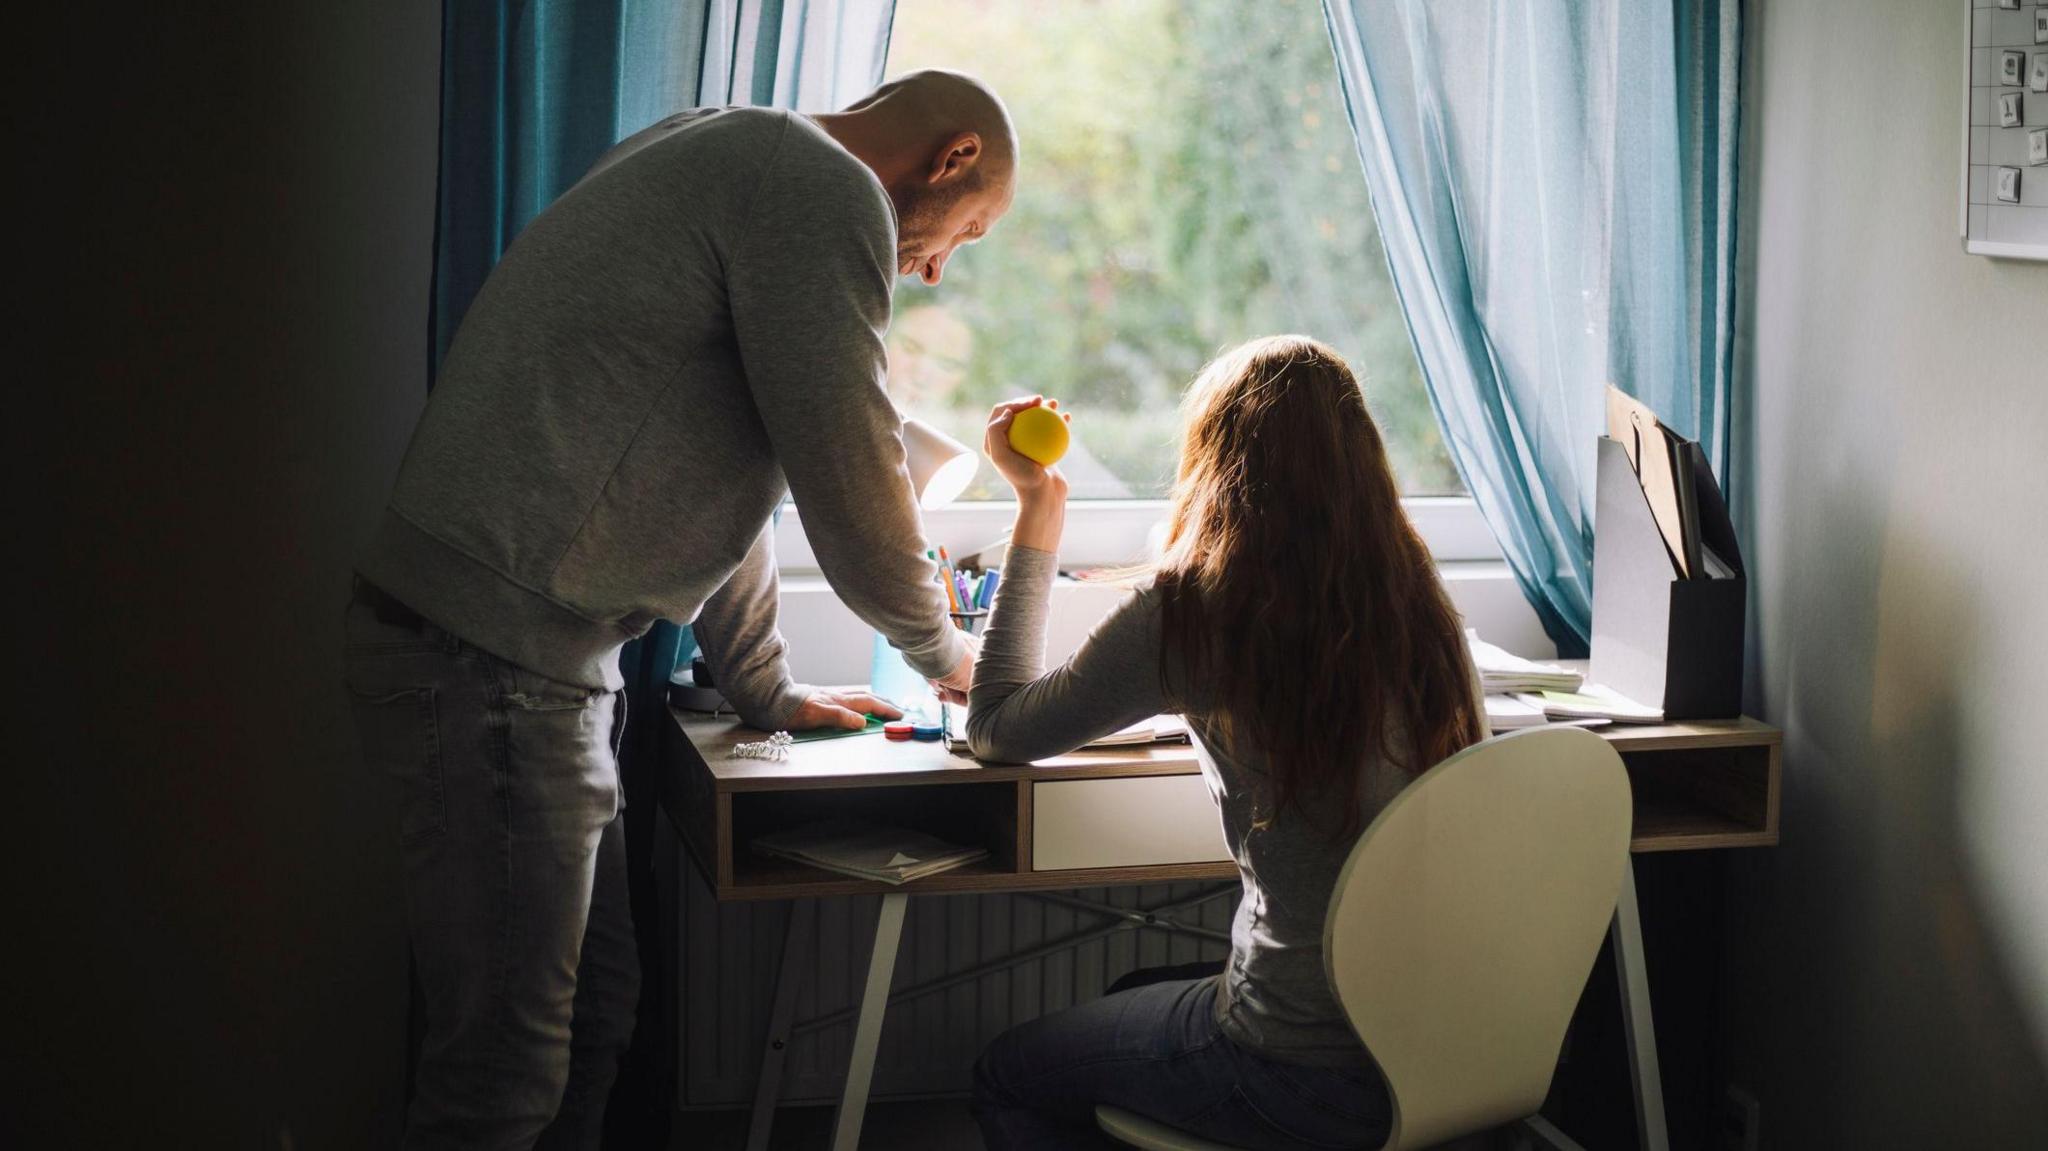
x=690, y=332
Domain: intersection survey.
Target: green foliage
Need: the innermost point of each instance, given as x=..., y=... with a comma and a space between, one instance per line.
x=1188, y=181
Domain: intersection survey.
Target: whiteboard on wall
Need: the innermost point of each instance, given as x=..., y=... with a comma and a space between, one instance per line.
x=2005, y=129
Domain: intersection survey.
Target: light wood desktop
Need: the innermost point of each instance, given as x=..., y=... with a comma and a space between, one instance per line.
x=1697, y=786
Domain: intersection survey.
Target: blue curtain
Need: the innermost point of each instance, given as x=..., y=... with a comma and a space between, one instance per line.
x=1554, y=181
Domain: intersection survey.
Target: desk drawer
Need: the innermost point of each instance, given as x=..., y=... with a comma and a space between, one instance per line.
x=1136, y=821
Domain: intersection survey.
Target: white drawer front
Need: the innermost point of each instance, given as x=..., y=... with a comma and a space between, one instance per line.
x=1132, y=822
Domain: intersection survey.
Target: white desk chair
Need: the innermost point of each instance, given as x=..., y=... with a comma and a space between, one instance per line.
x=1461, y=932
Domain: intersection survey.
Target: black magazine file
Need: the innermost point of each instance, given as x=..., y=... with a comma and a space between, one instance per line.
x=1658, y=638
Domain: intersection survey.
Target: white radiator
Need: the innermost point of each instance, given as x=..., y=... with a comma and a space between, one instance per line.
x=729, y=955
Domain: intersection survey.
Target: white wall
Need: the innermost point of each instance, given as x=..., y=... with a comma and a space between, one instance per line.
x=227, y=268
x=1889, y=963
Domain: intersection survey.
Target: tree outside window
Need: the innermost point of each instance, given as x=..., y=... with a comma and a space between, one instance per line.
x=1189, y=180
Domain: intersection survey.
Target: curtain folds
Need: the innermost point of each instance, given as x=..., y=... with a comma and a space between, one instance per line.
x=1554, y=183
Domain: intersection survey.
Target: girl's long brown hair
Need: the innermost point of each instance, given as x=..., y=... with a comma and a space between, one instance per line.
x=1295, y=589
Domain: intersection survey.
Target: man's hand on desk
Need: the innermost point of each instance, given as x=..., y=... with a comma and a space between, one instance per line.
x=953, y=688
x=841, y=709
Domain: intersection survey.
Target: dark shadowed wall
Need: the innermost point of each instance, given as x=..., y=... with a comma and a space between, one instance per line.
x=220, y=299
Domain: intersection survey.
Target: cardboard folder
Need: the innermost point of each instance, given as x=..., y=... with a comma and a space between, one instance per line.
x=1655, y=454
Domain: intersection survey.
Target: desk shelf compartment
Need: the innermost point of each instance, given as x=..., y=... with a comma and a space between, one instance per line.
x=973, y=814
x=1698, y=798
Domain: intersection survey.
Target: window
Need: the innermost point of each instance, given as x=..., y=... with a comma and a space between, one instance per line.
x=1189, y=181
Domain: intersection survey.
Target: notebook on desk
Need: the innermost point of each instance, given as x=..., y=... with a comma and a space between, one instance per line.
x=1158, y=729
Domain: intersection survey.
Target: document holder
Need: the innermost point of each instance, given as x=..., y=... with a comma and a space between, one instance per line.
x=1659, y=638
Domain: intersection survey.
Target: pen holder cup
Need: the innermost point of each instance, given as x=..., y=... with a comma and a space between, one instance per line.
x=1658, y=638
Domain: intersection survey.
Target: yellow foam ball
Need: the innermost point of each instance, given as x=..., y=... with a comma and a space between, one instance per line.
x=1039, y=434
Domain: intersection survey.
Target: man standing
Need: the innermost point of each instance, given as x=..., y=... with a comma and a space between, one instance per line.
x=692, y=330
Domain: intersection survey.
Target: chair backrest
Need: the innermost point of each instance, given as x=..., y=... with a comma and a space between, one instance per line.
x=1467, y=918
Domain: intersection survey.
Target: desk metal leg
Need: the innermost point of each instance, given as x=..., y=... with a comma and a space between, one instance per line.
x=1627, y=933
x=796, y=944
x=867, y=1029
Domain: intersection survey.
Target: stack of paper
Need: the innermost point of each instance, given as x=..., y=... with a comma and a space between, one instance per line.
x=868, y=851
x=1595, y=702
x=1503, y=673
x=1506, y=713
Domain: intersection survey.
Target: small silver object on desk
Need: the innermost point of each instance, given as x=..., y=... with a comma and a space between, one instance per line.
x=774, y=747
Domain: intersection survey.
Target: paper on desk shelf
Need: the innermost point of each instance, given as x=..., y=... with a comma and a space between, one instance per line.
x=867, y=850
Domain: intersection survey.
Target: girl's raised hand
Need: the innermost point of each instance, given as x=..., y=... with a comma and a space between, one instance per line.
x=1025, y=475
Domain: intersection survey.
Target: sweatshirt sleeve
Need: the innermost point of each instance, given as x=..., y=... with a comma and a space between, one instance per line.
x=738, y=630
x=809, y=284
x=1018, y=712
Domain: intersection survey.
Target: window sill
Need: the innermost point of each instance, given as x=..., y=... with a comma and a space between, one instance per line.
x=829, y=644
x=1106, y=533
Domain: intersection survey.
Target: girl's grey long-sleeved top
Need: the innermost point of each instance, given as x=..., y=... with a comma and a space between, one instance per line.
x=1275, y=994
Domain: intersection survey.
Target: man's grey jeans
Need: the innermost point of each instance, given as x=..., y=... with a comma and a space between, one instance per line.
x=507, y=789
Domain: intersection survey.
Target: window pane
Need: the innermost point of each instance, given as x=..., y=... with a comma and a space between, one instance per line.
x=1189, y=181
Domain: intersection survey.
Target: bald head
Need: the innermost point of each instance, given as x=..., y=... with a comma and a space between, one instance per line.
x=943, y=146
x=934, y=105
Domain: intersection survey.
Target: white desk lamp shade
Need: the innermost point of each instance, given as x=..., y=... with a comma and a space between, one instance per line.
x=941, y=467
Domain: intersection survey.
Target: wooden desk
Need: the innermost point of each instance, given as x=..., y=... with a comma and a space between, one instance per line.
x=1697, y=786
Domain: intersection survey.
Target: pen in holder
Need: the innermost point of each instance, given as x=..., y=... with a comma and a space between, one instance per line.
x=969, y=621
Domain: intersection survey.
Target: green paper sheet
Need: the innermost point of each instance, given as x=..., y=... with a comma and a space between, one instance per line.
x=874, y=725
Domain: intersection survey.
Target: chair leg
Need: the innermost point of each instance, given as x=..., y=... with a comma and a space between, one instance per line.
x=1546, y=1132
x=1635, y=1013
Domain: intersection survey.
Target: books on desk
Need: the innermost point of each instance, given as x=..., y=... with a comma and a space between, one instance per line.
x=1593, y=702
x=1516, y=713
x=1158, y=729
x=1522, y=693
x=1503, y=673
x=1506, y=713
x=891, y=855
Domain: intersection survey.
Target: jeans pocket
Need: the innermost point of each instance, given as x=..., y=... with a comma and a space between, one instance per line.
x=562, y=747
x=531, y=691
x=401, y=736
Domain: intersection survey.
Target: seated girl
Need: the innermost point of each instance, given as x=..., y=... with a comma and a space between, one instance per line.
x=1296, y=620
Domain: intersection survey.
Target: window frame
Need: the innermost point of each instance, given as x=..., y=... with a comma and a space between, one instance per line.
x=1101, y=533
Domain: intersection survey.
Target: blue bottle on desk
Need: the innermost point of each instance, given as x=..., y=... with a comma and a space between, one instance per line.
x=892, y=678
